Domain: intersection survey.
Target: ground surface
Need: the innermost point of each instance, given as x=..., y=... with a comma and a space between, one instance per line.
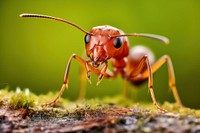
x=19, y=114
x=109, y=119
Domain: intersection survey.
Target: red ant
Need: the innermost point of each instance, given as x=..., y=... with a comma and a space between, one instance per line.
x=105, y=43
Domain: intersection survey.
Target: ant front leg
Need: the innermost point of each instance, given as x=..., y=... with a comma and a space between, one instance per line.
x=65, y=81
x=103, y=72
x=135, y=75
x=89, y=68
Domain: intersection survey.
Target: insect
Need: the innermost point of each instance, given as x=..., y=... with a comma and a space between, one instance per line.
x=104, y=43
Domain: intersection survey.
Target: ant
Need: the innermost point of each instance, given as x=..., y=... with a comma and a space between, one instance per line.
x=104, y=43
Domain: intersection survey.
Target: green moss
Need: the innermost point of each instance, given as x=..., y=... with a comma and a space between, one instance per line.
x=21, y=100
x=4, y=93
x=26, y=99
x=1, y=102
x=173, y=107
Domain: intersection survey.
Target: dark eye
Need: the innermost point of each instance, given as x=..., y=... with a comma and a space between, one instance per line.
x=117, y=42
x=87, y=38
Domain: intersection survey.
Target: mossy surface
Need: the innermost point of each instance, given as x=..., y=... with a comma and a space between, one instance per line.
x=21, y=101
x=22, y=111
x=25, y=99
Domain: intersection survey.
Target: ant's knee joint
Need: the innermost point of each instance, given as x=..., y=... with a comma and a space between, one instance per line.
x=172, y=84
x=166, y=57
x=145, y=57
x=73, y=55
x=150, y=87
x=155, y=104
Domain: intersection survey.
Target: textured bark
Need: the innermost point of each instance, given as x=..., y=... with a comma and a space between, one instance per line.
x=100, y=119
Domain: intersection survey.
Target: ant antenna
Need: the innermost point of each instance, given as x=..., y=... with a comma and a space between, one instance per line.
x=156, y=37
x=29, y=15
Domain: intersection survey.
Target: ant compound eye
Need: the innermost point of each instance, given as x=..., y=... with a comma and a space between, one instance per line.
x=87, y=38
x=117, y=42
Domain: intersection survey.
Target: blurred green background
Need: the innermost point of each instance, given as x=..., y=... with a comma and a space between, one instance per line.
x=34, y=52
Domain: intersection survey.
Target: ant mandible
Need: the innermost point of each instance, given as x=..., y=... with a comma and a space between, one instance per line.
x=105, y=43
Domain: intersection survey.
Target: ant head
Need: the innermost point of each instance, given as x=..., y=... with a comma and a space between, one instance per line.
x=101, y=45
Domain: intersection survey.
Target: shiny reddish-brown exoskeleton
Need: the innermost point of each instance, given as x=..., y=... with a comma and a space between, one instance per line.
x=105, y=43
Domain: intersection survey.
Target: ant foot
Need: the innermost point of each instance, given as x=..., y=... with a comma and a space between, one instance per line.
x=48, y=104
x=161, y=110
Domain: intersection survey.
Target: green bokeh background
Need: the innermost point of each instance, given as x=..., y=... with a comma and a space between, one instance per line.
x=34, y=52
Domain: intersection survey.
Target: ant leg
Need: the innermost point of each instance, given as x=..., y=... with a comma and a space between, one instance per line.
x=65, y=81
x=83, y=63
x=150, y=79
x=172, y=83
x=56, y=99
x=102, y=73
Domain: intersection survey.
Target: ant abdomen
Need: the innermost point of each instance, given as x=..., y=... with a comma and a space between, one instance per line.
x=137, y=52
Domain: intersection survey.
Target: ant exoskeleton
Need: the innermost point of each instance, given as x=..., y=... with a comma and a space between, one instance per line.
x=105, y=43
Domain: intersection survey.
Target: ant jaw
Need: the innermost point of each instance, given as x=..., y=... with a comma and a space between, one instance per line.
x=96, y=64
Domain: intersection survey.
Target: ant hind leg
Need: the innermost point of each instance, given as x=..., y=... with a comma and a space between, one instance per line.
x=137, y=76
